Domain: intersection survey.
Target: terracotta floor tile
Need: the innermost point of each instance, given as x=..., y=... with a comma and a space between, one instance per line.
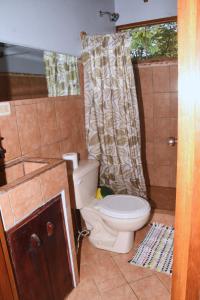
x=85, y=290
x=130, y=272
x=150, y=288
x=103, y=275
x=165, y=279
x=103, y=270
x=91, y=254
x=112, y=283
x=121, y=293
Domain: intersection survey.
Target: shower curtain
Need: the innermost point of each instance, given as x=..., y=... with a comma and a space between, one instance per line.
x=61, y=74
x=111, y=112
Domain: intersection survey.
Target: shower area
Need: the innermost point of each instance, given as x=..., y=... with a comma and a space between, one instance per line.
x=156, y=84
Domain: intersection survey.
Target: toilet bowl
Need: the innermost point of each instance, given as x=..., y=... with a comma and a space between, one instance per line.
x=113, y=220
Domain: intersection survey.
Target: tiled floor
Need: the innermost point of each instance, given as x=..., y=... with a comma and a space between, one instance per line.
x=106, y=275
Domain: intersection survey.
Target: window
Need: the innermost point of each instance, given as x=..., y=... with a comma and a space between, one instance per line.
x=153, y=41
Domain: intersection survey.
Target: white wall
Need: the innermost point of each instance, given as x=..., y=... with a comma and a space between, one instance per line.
x=52, y=24
x=132, y=11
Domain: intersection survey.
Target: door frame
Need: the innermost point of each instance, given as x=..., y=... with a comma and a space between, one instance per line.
x=186, y=278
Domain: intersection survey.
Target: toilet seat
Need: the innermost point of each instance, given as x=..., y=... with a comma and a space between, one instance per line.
x=123, y=206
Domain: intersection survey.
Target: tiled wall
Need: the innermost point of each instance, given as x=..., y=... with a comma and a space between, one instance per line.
x=44, y=127
x=157, y=89
x=22, y=86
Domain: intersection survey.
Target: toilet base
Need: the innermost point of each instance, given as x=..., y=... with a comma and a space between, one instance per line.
x=123, y=242
x=107, y=233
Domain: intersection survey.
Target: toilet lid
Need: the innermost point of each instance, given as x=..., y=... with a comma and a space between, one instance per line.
x=123, y=206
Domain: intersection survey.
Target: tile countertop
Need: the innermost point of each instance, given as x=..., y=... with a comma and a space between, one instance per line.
x=31, y=189
x=30, y=185
x=48, y=164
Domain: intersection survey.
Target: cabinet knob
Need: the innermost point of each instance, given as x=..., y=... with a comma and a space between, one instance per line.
x=50, y=228
x=35, y=241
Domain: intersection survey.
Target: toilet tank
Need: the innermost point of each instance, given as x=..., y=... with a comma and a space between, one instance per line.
x=85, y=179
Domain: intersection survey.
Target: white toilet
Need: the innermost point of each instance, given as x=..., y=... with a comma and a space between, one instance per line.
x=112, y=220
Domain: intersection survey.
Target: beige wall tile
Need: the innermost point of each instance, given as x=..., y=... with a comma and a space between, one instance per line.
x=39, y=125
x=162, y=153
x=6, y=211
x=51, y=151
x=162, y=197
x=32, y=166
x=9, y=131
x=151, y=174
x=49, y=130
x=14, y=172
x=173, y=71
x=53, y=181
x=161, y=216
x=66, y=116
x=150, y=151
x=149, y=130
x=146, y=79
x=174, y=127
x=29, y=132
x=173, y=175
x=174, y=105
x=162, y=105
x=161, y=79
x=162, y=176
x=162, y=129
x=66, y=146
x=148, y=105
x=25, y=198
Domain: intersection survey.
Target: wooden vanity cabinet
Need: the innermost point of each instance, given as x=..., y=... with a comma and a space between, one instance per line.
x=39, y=254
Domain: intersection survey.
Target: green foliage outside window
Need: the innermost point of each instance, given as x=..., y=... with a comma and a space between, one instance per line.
x=154, y=41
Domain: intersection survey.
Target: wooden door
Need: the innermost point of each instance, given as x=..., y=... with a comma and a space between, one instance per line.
x=186, y=274
x=39, y=255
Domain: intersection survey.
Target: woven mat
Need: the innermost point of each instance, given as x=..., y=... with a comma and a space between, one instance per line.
x=156, y=250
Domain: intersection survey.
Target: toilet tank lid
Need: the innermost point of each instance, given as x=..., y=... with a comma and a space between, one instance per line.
x=84, y=167
x=123, y=206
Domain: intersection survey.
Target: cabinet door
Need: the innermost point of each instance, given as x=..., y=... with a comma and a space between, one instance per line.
x=29, y=261
x=39, y=255
x=56, y=252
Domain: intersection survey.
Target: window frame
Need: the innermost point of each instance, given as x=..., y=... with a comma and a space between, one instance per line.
x=146, y=23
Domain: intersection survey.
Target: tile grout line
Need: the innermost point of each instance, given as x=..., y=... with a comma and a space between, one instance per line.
x=163, y=284
x=96, y=285
x=124, y=278
x=17, y=125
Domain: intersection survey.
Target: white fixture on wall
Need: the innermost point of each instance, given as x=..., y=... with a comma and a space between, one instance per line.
x=113, y=16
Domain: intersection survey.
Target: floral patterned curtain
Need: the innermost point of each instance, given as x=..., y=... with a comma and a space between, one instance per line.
x=111, y=112
x=62, y=74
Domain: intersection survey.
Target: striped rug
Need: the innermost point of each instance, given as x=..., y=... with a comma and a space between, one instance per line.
x=156, y=250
